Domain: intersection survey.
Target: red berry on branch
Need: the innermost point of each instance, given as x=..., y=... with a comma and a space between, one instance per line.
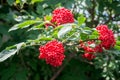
x=52, y=52
x=106, y=36
x=90, y=48
x=88, y=56
x=61, y=16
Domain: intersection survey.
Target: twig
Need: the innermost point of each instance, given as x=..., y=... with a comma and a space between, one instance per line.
x=48, y=22
x=89, y=40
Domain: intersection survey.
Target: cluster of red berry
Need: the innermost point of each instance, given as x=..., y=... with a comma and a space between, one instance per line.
x=61, y=16
x=107, y=41
x=106, y=36
x=53, y=51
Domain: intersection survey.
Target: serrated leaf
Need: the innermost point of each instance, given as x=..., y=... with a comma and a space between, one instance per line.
x=24, y=24
x=9, y=52
x=65, y=29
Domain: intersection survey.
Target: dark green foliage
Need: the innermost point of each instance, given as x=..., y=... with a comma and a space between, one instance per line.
x=25, y=19
x=77, y=70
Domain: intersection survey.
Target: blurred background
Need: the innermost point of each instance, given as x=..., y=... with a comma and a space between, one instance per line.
x=26, y=65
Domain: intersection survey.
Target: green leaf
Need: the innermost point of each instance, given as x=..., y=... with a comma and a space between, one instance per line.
x=37, y=27
x=10, y=2
x=6, y=54
x=21, y=75
x=3, y=29
x=36, y=1
x=17, y=1
x=117, y=42
x=117, y=47
x=87, y=31
x=57, y=28
x=9, y=52
x=95, y=32
x=8, y=73
x=77, y=74
x=19, y=46
x=92, y=37
x=21, y=2
x=37, y=76
x=45, y=38
x=87, y=28
x=64, y=30
x=24, y=24
x=114, y=51
x=81, y=19
x=0, y=41
x=48, y=17
x=83, y=36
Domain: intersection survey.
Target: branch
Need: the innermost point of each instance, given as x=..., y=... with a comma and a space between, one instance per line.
x=92, y=12
x=89, y=40
x=62, y=67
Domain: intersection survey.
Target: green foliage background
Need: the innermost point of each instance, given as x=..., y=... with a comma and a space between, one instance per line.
x=27, y=66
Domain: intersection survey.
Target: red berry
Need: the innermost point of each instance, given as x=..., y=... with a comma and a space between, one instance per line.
x=52, y=52
x=88, y=56
x=106, y=36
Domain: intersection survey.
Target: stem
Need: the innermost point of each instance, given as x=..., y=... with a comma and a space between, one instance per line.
x=61, y=68
x=89, y=40
x=48, y=22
